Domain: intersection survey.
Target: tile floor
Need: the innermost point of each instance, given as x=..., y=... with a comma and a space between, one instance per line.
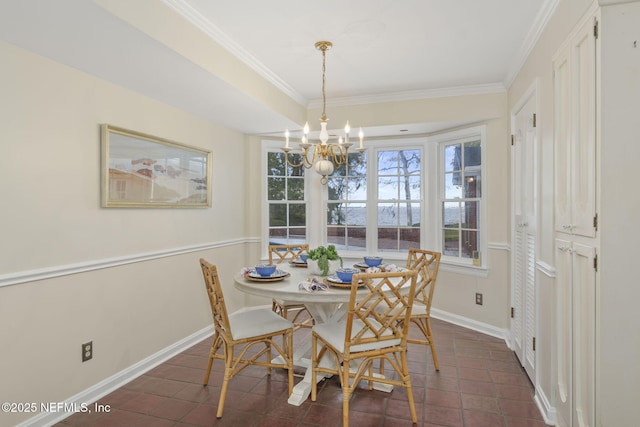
x=480, y=383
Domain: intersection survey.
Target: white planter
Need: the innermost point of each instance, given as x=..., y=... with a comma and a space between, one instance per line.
x=312, y=266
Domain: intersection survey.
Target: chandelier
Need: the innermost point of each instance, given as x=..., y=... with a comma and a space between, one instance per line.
x=323, y=154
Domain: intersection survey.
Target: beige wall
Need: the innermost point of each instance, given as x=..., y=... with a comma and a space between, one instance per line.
x=51, y=219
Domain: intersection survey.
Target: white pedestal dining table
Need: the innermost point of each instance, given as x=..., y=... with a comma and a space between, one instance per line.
x=324, y=305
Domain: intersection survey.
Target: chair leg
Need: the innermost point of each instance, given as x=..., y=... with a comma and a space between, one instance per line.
x=432, y=344
x=407, y=383
x=214, y=347
x=347, y=390
x=289, y=352
x=313, y=367
x=228, y=374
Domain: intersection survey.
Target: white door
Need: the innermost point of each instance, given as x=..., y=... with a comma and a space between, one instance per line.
x=523, y=324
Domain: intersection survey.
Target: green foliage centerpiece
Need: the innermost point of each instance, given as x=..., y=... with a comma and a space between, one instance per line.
x=323, y=260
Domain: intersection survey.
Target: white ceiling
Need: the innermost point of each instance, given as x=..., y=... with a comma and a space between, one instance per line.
x=383, y=50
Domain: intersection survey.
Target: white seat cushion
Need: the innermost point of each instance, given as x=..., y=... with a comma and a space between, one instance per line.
x=334, y=333
x=251, y=323
x=417, y=309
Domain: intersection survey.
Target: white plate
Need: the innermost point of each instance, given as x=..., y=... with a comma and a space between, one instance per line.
x=276, y=275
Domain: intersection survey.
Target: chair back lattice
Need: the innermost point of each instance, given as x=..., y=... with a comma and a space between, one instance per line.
x=379, y=309
x=216, y=299
x=426, y=263
x=281, y=253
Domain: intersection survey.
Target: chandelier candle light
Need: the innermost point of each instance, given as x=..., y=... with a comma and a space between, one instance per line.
x=325, y=154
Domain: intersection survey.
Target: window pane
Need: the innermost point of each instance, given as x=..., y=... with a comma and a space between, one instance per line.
x=297, y=235
x=336, y=236
x=470, y=215
x=275, y=188
x=409, y=214
x=357, y=238
x=335, y=214
x=297, y=215
x=356, y=214
x=358, y=188
x=277, y=236
x=295, y=189
x=469, y=243
x=451, y=214
x=388, y=163
x=387, y=238
x=472, y=182
x=388, y=188
x=337, y=188
x=452, y=185
x=410, y=187
x=409, y=162
x=277, y=215
x=387, y=214
x=451, y=242
x=409, y=238
x=275, y=164
x=452, y=158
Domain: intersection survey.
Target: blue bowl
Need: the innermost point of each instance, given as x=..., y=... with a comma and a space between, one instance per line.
x=303, y=257
x=373, y=261
x=265, y=270
x=346, y=274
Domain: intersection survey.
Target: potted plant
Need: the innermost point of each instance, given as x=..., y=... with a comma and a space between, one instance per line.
x=323, y=261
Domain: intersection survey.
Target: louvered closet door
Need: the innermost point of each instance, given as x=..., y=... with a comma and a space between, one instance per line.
x=523, y=323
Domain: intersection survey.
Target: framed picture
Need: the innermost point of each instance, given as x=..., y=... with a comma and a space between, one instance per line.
x=144, y=171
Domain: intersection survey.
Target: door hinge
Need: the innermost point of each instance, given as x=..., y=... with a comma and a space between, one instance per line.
x=513, y=137
x=513, y=312
x=595, y=29
x=595, y=262
x=534, y=119
x=534, y=343
x=595, y=222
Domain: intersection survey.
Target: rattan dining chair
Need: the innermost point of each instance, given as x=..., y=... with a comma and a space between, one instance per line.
x=279, y=254
x=241, y=331
x=366, y=335
x=427, y=264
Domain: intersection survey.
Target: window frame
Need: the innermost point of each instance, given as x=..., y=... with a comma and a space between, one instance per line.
x=432, y=185
x=443, y=140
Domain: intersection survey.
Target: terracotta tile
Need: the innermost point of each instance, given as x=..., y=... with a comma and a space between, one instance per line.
x=520, y=409
x=480, y=403
x=144, y=403
x=480, y=383
x=478, y=387
x=523, y=422
x=443, y=416
x=482, y=419
x=443, y=398
x=474, y=374
x=514, y=392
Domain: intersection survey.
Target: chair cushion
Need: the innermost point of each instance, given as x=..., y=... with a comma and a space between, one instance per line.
x=418, y=308
x=334, y=334
x=251, y=323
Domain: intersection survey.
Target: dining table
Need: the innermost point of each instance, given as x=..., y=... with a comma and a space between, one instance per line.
x=327, y=305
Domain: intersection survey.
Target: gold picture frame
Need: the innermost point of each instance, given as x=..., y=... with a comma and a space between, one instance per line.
x=145, y=171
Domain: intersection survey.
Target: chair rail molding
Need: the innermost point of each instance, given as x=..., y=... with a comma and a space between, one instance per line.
x=65, y=270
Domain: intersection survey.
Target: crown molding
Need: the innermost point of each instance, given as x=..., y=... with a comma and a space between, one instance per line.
x=220, y=37
x=538, y=26
x=411, y=95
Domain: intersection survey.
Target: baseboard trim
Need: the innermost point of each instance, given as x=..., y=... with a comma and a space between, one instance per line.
x=101, y=389
x=471, y=324
x=548, y=412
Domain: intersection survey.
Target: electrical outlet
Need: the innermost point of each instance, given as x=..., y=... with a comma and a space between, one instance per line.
x=87, y=351
x=478, y=298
